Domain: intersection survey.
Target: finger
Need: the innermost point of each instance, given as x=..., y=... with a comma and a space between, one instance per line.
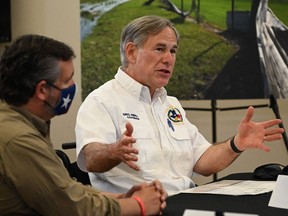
x=138, y=187
x=273, y=131
x=133, y=189
x=272, y=123
x=273, y=137
x=127, y=148
x=164, y=196
x=159, y=187
x=156, y=184
x=129, y=157
x=264, y=148
x=132, y=165
x=128, y=142
x=143, y=185
x=249, y=114
x=163, y=205
x=129, y=129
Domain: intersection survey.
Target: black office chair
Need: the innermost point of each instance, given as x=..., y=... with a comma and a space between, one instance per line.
x=74, y=171
x=70, y=145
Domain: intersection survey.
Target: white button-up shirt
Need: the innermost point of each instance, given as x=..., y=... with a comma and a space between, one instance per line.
x=169, y=145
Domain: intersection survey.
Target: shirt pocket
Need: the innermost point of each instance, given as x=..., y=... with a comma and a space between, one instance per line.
x=181, y=158
x=179, y=136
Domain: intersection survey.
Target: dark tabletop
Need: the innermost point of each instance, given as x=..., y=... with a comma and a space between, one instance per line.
x=253, y=204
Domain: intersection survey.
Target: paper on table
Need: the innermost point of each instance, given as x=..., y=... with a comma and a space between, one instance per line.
x=190, y=212
x=279, y=198
x=234, y=187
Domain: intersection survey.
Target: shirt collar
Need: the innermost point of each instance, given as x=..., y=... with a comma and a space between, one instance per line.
x=39, y=124
x=136, y=89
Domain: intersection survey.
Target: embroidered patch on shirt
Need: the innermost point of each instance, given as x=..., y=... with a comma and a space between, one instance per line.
x=174, y=115
x=131, y=116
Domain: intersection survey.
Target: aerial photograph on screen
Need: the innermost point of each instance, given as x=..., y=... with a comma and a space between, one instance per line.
x=229, y=49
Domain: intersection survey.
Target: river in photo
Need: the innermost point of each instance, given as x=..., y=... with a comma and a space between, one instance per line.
x=94, y=12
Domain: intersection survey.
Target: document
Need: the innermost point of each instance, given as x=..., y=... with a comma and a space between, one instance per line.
x=279, y=198
x=191, y=212
x=234, y=187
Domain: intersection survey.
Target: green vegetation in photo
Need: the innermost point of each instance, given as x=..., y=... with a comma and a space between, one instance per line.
x=201, y=56
x=280, y=9
x=213, y=12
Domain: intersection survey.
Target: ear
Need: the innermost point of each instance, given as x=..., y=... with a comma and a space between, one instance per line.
x=131, y=52
x=41, y=90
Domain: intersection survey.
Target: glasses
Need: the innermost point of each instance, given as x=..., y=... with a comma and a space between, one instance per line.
x=48, y=83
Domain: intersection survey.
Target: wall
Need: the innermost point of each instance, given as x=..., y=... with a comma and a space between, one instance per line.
x=59, y=20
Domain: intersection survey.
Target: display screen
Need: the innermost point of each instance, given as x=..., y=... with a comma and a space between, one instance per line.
x=5, y=21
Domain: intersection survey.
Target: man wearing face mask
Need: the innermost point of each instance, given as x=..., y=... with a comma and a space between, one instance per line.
x=36, y=83
x=65, y=100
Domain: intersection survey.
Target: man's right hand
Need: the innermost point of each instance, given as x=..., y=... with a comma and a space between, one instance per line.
x=123, y=149
x=100, y=157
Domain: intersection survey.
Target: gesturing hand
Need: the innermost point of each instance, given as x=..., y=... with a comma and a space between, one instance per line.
x=124, y=149
x=254, y=134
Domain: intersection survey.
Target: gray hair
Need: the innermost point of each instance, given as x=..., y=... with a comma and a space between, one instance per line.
x=138, y=31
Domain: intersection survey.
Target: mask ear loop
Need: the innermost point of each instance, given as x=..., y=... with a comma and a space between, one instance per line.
x=50, y=84
x=41, y=89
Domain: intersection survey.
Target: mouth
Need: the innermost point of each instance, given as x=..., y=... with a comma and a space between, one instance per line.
x=165, y=71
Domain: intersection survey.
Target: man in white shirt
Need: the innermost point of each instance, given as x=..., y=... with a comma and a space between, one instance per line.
x=129, y=131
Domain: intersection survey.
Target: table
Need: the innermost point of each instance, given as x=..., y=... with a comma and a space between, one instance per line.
x=253, y=204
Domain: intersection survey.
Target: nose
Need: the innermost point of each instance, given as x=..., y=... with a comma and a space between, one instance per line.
x=168, y=58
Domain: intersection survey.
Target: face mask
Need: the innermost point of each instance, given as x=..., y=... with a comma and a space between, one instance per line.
x=65, y=100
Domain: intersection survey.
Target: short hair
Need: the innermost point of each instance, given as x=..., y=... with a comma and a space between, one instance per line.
x=138, y=31
x=27, y=61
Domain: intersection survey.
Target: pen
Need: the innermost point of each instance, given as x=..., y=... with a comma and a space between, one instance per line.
x=170, y=124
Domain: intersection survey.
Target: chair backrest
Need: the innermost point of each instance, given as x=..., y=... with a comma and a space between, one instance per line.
x=74, y=171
